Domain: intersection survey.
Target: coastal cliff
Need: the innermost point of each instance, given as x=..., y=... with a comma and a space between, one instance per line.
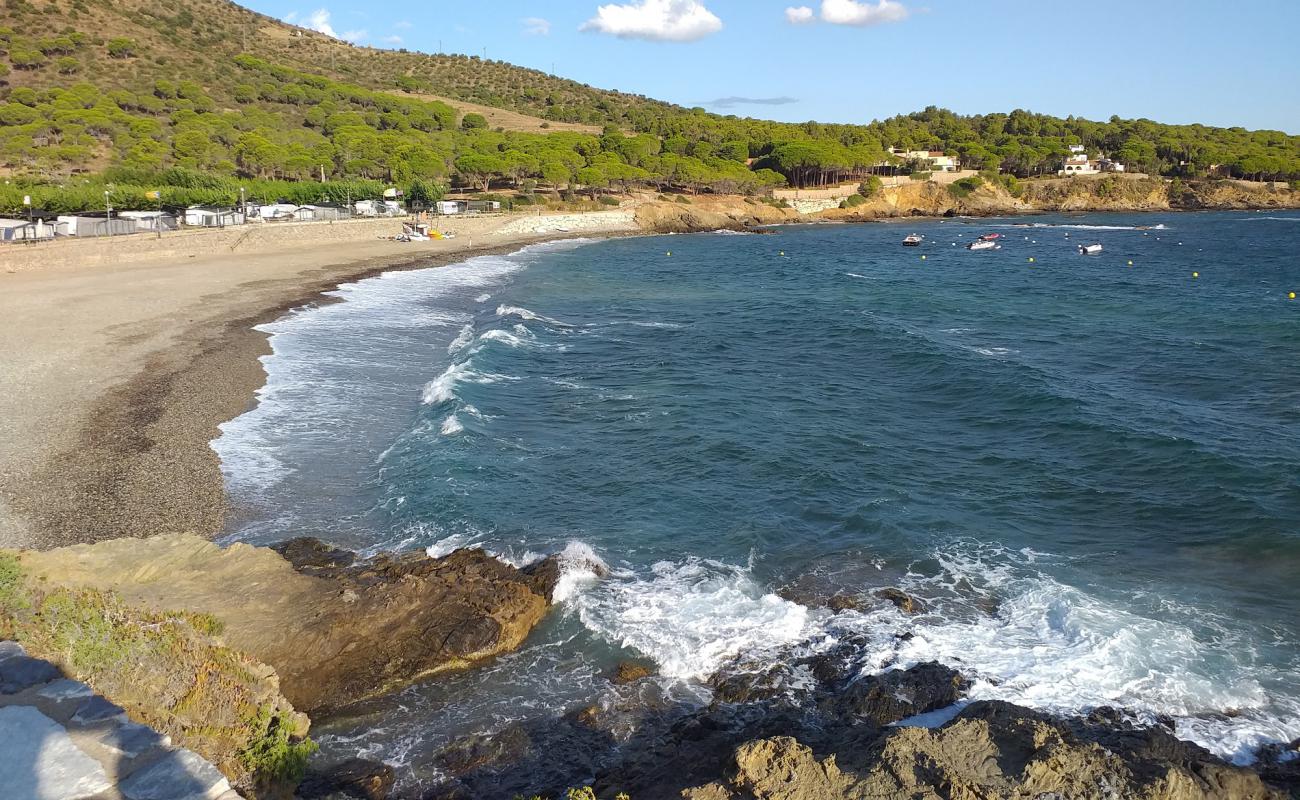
x=1107, y=193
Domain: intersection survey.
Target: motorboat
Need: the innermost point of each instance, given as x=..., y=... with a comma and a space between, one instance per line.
x=990, y=237
x=913, y=240
x=1089, y=249
x=983, y=244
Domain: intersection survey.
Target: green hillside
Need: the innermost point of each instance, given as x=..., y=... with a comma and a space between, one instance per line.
x=199, y=98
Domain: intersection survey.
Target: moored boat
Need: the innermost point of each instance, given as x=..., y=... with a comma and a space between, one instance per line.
x=1089, y=249
x=913, y=240
x=983, y=244
x=990, y=237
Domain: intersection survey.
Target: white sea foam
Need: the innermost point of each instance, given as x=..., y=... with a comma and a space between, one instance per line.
x=1054, y=647
x=451, y=426
x=483, y=298
x=579, y=567
x=689, y=616
x=442, y=389
x=462, y=339
x=994, y=352
x=523, y=313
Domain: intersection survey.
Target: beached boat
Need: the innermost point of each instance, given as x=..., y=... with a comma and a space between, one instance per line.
x=913, y=240
x=1089, y=249
x=983, y=244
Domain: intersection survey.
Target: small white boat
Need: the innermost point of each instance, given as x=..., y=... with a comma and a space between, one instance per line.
x=1089, y=249
x=983, y=244
x=913, y=240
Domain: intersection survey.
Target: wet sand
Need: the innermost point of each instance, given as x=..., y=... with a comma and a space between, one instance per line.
x=116, y=377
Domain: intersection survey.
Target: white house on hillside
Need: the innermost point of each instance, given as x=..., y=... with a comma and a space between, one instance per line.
x=939, y=161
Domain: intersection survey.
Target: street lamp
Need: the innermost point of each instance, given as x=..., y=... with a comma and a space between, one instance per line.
x=108, y=213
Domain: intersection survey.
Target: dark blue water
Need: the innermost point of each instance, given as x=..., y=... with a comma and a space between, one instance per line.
x=1089, y=469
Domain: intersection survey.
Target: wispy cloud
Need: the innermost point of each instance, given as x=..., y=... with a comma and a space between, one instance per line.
x=732, y=102
x=861, y=14
x=401, y=25
x=291, y=17
x=799, y=15
x=354, y=36
x=536, y=26
x=392, y=40
x=655, y=20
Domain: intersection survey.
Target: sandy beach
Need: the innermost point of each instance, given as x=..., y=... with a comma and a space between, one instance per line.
x=118, y=364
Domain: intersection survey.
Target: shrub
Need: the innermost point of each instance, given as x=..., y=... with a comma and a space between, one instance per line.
x=965, y=186
x=870, y=186
x=606, y=200
x=472, y=122
x=68, y=65
x=121, y=47
x=920, y=176
x=853, y=201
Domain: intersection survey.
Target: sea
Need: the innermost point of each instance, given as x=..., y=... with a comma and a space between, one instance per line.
x=1087, y=467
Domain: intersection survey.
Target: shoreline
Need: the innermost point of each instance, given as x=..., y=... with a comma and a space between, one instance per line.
x=134, y=459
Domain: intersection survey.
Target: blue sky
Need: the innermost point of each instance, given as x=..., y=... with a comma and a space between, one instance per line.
x=856, y=60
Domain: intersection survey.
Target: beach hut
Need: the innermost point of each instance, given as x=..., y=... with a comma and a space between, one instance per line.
x=448, y=207
x=29, y=230
x=207, y=217
x=152, y=221
x=98, y=224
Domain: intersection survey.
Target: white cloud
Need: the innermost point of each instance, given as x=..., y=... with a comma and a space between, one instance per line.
x=798, y=15
x=354, y=36
x=401, y=25
x=854, y=12
x=536, y=26
x=656, y=20
x=392, y=40
x=319, y=20
x=290, y=17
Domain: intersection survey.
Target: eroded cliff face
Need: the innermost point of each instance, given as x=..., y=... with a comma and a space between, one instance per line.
x=335, y=628
x=1106, y=193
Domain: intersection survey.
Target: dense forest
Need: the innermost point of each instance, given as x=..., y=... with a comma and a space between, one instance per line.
x=200, y=98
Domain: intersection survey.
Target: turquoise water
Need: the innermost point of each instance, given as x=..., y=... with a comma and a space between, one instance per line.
x=1089, y=470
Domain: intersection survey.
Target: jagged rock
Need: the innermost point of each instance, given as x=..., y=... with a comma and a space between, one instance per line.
x=39, y=761
x=630, y=671
x=356, y=777
x=904, y=601
x=844, y=602
x=990, y=750
x=335, y=629
x=310, y=556
x=179, y=775
x=20, y=672
x=898, y=694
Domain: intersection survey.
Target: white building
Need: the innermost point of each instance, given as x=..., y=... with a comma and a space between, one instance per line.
x=1078, y=162
x=938, y=160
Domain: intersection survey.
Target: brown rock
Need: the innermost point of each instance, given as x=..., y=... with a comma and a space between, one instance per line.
x=905, y=602
x=844, y=602
x=334, y=630
x=356, y=777
x=631, y=671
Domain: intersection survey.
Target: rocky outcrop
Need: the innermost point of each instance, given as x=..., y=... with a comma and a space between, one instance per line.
x=1100, y=193
x=336, y=629
x=710, y=213
x=990, y=750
